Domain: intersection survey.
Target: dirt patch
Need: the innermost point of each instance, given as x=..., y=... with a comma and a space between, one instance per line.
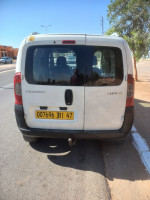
x=143, y=69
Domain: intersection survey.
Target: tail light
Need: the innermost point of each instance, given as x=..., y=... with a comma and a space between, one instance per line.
x=130, y=91
x=17, y=89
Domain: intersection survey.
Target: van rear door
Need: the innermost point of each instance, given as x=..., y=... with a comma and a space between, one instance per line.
x=105, y=84
x=53, y=87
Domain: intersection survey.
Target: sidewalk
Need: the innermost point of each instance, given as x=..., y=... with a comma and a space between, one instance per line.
x=142, y=101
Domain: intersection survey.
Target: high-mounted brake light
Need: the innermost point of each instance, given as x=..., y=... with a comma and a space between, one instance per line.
x=68, y=42
x=17, y=89
x=130, y=91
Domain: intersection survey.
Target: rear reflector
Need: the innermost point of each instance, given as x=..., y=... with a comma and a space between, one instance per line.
x=68, y=42
x=17, y=89
x=130, y=91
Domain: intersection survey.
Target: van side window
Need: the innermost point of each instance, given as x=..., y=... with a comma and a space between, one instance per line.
x=106, y=68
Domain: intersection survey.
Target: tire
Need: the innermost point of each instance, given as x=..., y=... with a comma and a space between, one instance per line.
x=30, y=139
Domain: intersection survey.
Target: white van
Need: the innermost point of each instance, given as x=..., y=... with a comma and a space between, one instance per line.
x=74, y=86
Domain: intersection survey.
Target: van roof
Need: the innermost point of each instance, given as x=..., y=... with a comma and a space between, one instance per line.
x=76, y=35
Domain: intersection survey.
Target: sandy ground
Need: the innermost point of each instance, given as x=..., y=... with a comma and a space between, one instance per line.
x=142, y=100
x=143, y=69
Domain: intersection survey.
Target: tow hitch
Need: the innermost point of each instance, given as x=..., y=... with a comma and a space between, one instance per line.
x=71, y=142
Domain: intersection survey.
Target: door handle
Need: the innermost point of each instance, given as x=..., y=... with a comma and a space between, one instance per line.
x=68, y=97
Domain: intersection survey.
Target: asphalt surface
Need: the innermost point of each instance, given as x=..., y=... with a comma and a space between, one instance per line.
x=7, y=67
x=49, y=169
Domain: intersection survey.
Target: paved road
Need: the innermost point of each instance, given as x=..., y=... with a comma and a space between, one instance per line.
x=51, y=170
x=7, y=67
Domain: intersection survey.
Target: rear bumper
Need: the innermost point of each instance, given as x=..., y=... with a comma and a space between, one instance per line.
x=98, y=134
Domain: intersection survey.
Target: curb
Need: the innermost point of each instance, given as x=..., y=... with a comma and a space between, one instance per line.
x=142, y=147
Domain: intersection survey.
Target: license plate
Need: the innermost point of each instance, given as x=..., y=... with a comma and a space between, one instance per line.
x=61, y=115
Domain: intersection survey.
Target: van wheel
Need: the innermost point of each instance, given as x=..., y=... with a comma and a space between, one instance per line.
x=30, y=139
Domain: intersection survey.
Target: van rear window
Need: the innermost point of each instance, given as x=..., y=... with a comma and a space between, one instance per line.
x=74, y=65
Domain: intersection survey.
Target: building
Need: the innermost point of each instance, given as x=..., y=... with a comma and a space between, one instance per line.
x=8, y=51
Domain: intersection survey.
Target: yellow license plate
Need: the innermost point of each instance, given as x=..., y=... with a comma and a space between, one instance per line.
x=61, y=115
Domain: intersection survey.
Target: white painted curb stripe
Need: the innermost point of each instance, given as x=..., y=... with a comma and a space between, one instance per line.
x=146, y=160
x=140, y=143
x=6, y=86
x=142, y=147
x=133, y=129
